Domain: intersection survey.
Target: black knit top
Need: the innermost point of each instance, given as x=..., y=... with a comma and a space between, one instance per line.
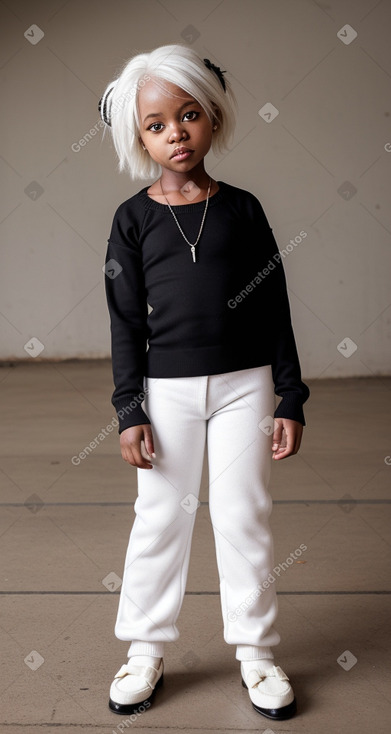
x=171, y=317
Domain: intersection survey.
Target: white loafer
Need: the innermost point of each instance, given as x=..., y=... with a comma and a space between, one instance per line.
x=270, y=691
x=134, y=686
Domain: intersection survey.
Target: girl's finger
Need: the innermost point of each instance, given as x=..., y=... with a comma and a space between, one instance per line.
x=149, y=443
x=290, y=442
x=144, y=452
x=277, y=436
x=133, y=457
x=293, y=441
x=127, y=455
x=141, y=461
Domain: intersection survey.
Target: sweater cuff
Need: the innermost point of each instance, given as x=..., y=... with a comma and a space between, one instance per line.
x=130, y=414
x=291, y=407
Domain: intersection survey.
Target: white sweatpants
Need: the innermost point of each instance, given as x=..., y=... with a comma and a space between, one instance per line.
x=224, y=411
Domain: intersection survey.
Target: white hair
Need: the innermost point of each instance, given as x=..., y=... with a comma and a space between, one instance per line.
x=181, y=66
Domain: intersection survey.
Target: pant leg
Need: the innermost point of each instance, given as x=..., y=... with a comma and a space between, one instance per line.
x=157, y=557
x=239, y=456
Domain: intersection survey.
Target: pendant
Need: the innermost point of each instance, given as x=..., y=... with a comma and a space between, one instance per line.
x=193, y=253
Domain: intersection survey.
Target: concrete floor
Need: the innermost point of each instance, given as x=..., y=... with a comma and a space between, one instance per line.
x=63, y=535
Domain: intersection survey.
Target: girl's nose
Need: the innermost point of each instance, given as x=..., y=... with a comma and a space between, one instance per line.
x=177, y=132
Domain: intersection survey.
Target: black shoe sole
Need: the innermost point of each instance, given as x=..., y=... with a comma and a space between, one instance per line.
x=134, y=708
x=285, y=712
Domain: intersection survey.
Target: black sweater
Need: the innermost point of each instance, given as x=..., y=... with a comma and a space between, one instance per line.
x=228, y=311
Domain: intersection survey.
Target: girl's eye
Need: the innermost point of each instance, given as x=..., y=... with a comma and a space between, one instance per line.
x=154, y=126
x=192, y=112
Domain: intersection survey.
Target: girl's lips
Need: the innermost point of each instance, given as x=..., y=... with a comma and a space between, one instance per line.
x=182, y=155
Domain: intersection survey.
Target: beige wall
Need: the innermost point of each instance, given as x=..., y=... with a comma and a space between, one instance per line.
x=333, y=127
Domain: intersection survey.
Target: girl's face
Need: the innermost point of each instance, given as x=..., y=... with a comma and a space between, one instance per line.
x=170, y=122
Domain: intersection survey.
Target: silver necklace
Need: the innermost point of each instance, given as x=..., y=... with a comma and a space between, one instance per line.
x=192, y=245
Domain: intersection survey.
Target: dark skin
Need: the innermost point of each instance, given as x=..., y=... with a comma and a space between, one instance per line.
x=181, y=121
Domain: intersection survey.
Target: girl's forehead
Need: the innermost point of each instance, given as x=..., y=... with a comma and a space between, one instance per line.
x=163, y=92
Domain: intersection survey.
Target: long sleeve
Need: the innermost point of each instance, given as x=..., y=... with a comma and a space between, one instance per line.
x=127, y=304
x=285, y=362
x=286, y=366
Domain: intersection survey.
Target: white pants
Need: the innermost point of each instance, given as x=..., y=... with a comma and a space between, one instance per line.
x=224, y=411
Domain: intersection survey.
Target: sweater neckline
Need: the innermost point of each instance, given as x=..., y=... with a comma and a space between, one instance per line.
x=199, y=205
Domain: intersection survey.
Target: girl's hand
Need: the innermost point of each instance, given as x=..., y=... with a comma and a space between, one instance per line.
x=286, y=438
x=137, y=446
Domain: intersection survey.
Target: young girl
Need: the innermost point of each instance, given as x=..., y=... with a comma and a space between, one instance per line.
x=193, y=269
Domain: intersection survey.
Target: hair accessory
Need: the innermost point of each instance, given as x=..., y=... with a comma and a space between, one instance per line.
x=217, y=71
x=104, y=107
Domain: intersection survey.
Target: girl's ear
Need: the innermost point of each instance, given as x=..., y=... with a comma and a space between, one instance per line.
x=216, y=122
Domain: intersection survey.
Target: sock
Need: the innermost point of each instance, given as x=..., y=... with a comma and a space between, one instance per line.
x=250, y=652
x=154, y=649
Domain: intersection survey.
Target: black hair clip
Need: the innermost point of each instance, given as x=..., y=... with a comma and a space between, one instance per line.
x=217, y=71
x=103, y=106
